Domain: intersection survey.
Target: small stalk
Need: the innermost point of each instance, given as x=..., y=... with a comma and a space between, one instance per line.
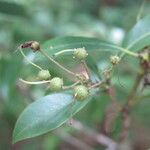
x=86, y=68
x=71, y=86
x=34, y=83
x=134, y=89
x=63, y=51
x=59, y=65
x=30, y=62
x=96, y=85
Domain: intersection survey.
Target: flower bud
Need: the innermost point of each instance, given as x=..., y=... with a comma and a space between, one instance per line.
x=114, y=60
x=80, y=53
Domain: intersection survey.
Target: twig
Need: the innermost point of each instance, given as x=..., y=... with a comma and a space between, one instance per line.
x=70, y=86
x=111, y=94
x=96, y=85
x=72, y=140
x=99, y=138
x=134, y=89
x=126, y=108
x=126, y=123
x=108, y=119
x=86, y=68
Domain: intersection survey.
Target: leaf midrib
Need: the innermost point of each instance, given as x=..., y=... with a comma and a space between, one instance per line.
x=136, y=41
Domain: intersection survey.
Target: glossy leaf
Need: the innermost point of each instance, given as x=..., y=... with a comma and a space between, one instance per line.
x=45, y=114
x=55, y=45
x=139, y=36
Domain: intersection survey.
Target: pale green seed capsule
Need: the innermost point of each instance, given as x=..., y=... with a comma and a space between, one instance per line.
x=44, y=75
x=81, y=92
x=80, y=53
x=56, y=84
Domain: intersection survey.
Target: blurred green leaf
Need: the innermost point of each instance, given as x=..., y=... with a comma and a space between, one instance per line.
x=11, y=8
x=139, y=36
x=141, y=110
x=45, y=114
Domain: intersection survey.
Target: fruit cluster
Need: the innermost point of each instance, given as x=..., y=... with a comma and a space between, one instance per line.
x=56, y=84
x=82, y=88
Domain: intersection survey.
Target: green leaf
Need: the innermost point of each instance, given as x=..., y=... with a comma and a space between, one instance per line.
x=55, y=45
x=45, y=114
x=141, y=110
x=139, y=36
x=11, y=8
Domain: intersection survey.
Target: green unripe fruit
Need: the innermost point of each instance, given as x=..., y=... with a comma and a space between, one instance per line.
x=35, y=46
x=80, y=53
x=44, y=75
x=56, y=84
x=80, y=92
x=114, y=60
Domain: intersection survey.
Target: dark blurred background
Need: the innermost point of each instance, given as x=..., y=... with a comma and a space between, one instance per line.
x=40, y=20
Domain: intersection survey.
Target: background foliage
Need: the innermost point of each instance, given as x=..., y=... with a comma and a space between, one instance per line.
x=22, y=20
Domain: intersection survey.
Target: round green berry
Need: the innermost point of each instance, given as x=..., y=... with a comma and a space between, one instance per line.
x=81, y=92
x=44, y=75
x=114, y=60
x=35, y=46
x=56, y=84
x=80, y=53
